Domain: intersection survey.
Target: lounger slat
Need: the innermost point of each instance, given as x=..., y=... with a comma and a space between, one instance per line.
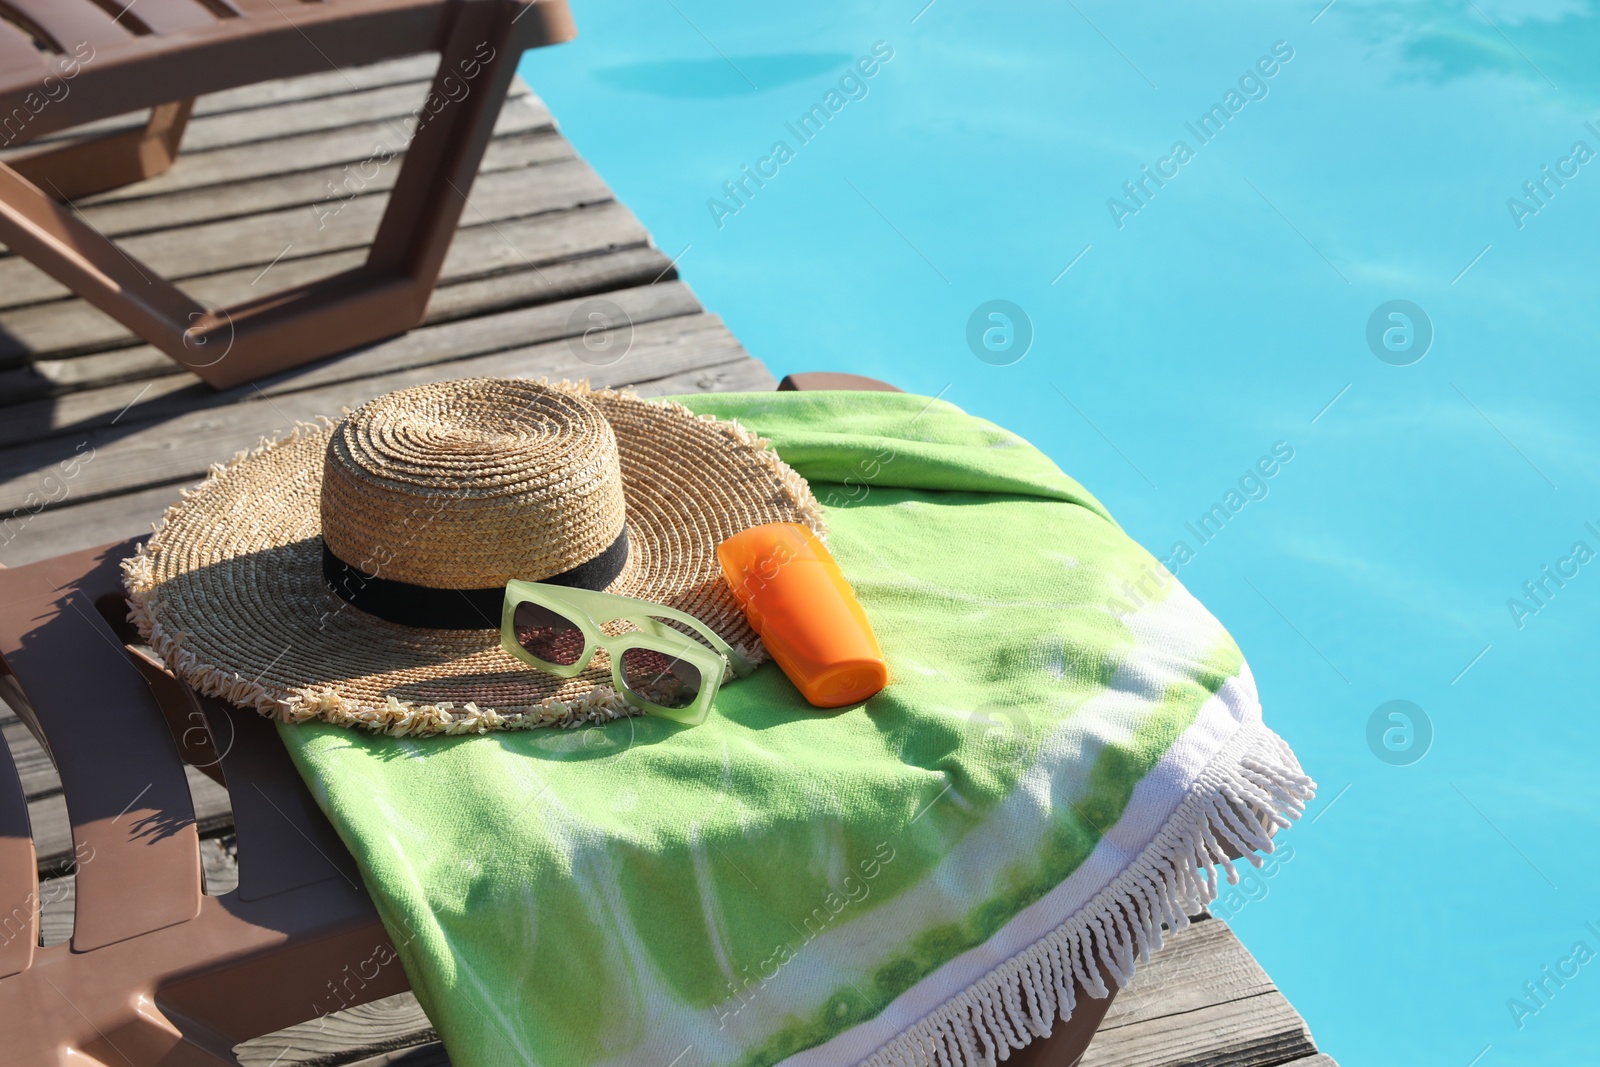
x=52, y=825
x=133, y=826
x=17, y=51
x=71, y=23
x=257, y=8
x=131, y=73
x=167, y=16
x=19, y=881
x=285, y=842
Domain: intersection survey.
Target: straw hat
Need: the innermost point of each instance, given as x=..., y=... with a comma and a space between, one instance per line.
x=352, y=572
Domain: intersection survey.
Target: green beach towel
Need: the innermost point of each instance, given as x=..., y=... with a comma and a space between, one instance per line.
x=1069, y=743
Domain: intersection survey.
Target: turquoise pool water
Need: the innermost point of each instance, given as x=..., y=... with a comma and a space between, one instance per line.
x=1433, y=457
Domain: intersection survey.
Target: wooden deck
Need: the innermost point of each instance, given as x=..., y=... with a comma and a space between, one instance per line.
x=99, y=433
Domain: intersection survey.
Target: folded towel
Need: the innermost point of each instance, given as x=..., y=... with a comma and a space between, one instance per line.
x=1068, y=745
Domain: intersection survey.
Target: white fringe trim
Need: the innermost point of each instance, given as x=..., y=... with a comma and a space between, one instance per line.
x=1253, y=780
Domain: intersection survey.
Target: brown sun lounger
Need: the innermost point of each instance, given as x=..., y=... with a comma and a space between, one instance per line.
x=64, y=63
x=157, y=971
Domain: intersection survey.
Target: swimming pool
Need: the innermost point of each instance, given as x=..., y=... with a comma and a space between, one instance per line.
x=1368, y=270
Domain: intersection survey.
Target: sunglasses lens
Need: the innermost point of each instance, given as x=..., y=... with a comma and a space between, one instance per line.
x=547, y=635
x=659, y=678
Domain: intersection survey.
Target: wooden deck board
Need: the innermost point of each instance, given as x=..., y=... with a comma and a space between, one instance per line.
x=542, y=236
x=134, y=455
x=180, y=253
x=525, y=139
x=1203, y=999
x=492, y=329
x=590, y=250
x=310, y=86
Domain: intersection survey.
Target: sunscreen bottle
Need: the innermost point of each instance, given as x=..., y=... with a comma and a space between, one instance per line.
x=806, y=613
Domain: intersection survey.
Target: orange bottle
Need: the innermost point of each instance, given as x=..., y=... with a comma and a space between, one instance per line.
x=806, y=613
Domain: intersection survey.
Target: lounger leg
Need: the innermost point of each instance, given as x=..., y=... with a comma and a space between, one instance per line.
x=96, y=164
x=59, y=242
x=475, y=71
x=389, y=294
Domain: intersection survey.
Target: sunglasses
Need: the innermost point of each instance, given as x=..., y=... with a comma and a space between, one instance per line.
x=656, y=668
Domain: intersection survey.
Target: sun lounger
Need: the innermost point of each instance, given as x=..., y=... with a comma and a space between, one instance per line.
x=158, y=971
x=64, y=63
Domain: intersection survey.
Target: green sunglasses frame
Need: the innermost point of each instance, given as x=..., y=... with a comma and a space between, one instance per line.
x=589, y=609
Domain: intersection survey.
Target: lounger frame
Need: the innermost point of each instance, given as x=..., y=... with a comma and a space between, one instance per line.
x=83, y=65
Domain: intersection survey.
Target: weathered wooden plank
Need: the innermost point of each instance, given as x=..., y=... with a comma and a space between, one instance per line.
x=615, y=269
x=184, y=446
x=1204, y=964
x=381, y=1027
x=295, y=152
x=208, y=132
x=1258, y=1031
x=132, y=514
x=660, y=316
x=429, y=1055
x=219, y=861
x=72, y=529
x=101, y=349
x=50, y=813
x=183, y=252
x=456, y=337
x=10, y=693
x=311, y=86
x=741, y=375
x=695, y=354
x=57, y=898
x=366, y=166
x=586, y=250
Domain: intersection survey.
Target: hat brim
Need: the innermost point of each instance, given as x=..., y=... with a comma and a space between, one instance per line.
x=229, y=591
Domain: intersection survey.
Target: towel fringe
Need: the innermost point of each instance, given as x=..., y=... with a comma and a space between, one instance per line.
x=1254, y=780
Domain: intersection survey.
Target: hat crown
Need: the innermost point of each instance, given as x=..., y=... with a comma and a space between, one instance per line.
x=467, y=484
